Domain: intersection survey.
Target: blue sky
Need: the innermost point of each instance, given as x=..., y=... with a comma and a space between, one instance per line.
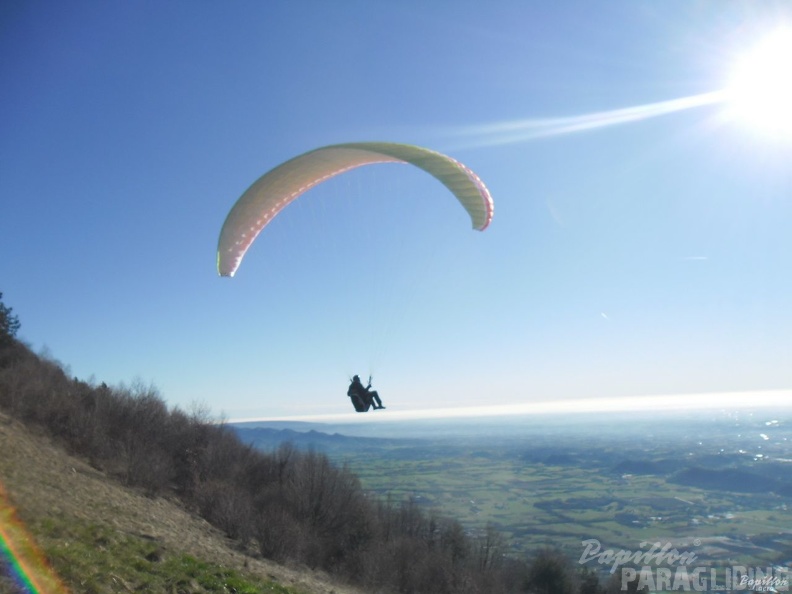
x=650, y=257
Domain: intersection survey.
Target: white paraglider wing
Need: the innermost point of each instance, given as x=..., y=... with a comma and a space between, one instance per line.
x=274, y=190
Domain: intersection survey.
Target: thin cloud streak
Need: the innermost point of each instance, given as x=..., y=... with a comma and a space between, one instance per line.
x=673, y=402
x=515, y=131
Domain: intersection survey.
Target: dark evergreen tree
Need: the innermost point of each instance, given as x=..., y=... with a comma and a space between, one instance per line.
x=9, y=324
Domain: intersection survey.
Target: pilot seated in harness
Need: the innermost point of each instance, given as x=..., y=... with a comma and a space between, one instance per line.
x=362, y=397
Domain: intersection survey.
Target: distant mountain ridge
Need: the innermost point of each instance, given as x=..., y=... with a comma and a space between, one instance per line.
x=266, y=438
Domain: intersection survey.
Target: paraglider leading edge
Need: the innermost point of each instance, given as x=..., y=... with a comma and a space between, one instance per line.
x=275, y=189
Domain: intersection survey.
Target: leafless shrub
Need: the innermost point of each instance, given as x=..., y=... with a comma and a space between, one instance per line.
x=227, y=507
x=279, y=536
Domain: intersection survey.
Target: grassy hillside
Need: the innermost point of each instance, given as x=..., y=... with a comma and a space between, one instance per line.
x=101, y=537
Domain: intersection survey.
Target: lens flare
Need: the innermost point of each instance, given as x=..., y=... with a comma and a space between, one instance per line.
x=21, y=557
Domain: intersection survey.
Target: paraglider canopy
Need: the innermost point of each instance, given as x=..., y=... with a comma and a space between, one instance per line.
x=274, y=190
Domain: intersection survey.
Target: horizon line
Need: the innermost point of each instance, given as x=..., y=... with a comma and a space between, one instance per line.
x=648, y=403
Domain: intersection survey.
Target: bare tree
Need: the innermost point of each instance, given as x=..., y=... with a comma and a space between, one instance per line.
x=490, y=549
x=550, y=573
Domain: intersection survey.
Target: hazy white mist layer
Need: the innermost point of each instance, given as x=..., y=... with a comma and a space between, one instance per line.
x=659, y=403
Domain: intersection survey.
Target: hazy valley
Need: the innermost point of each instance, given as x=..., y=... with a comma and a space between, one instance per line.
x=719, y=484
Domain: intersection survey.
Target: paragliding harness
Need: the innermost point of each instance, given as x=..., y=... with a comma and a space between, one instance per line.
x=358, y=400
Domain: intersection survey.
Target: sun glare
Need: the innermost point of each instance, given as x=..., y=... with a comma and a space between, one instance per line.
x=760, y=89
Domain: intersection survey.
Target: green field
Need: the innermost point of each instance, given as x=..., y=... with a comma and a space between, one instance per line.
x=537, y=504
x=720, y=490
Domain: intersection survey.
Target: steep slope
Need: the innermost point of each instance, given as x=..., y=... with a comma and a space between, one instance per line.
x=59, y=497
